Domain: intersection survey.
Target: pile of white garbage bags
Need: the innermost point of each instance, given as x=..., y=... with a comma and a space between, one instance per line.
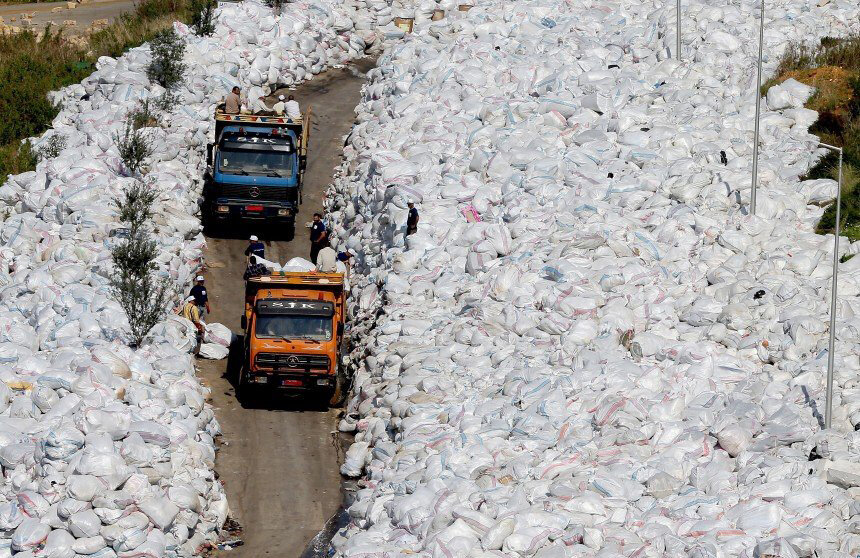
x=108, y=451
x=590, y=348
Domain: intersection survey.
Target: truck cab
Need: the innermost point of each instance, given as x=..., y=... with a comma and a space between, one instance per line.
x=294, y=327
x=255, y=169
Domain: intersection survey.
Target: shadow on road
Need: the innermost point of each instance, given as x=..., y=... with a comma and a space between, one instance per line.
x=266, y=233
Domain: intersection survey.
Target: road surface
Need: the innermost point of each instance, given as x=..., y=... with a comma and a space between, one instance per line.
x=83, y=14
x=280, y=461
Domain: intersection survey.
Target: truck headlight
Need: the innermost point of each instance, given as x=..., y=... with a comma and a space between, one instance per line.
x=283, y=212
x=223, y=209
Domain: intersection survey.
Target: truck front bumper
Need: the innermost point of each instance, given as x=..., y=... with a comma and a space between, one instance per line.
x=299, y=381
x=245, y=210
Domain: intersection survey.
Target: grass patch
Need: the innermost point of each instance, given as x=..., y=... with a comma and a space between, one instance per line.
x=833, y=68
x=15, y=159
x=31, y=65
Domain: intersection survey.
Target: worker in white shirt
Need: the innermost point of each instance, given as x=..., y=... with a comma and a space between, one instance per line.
x=279, y=106
x=292, y=107
x=259, y=106
x=327, y=260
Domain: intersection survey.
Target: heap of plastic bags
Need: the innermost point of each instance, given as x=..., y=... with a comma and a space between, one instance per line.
x=590, y=348
x=108, y=451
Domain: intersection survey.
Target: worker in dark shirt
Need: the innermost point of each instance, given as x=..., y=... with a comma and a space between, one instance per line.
x=319, y=237
x=255, y=269
x=201, y=299
x=255, y=247
x=412, y=220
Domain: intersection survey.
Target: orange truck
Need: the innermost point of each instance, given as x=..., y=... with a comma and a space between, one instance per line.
x=294, y=328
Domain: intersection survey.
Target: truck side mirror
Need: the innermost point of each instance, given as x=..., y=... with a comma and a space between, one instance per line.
x=244, y=322
x=209, y=153
x=340, y=329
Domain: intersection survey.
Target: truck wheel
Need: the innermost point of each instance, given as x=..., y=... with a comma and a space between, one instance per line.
x=243, y=388
x=210, y=225
x=341, y=390
x=290, y=231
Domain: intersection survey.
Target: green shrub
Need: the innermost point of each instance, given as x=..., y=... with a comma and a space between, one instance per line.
x=276, y=5
x=30, y=67
x=134, y=148
x=203, y=17
x=51, y=148
x=166, y=67
x=143, y=116
x=15, y=159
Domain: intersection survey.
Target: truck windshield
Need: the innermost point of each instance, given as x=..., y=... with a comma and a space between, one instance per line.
x=266, y=163
x=279, y=326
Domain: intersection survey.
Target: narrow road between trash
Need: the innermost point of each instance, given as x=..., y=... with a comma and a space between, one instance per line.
x=280, y=461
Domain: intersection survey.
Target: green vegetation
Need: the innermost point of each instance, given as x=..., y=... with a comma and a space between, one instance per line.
x=31, y=65
x=134, y=147
x=203, y=17
x=166, y=68
x=15, y=159
x=833, y=68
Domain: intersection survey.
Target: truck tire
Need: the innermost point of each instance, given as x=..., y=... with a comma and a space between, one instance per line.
x=210, y=224
x=243, y=388
x=290, y=231
x=242, y=391
x=341, y=389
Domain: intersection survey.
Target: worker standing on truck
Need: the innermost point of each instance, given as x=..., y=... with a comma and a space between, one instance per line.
x=255, y=247
x=319, y=237
x=412, y=220
x=233, y=102
x=201, y=298
x=327, y=260
x=293, y=110
x=254, y=269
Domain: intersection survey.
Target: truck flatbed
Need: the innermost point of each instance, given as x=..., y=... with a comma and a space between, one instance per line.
x=295, y=281
x=297, y=125
x=221, y=116
x=298, y=278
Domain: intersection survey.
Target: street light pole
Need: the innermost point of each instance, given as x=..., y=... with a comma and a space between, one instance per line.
x=828, y=408
x=678, y=38
x=757, y=111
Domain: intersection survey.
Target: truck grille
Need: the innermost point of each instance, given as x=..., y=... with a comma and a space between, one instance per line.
x=279, y=361
x=243, y=191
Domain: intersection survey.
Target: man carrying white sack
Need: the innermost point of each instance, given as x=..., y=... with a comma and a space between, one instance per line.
x=191, y=313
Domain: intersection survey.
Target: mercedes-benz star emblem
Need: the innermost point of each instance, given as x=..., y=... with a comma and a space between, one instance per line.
x=292, y=360
x=254, y=192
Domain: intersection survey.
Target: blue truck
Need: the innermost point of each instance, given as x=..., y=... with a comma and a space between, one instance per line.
x=255, y=170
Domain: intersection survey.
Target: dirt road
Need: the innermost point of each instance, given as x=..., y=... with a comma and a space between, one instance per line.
x=280, y=460
x=83, y=14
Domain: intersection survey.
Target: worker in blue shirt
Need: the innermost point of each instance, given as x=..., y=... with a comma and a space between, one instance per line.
x=201, y=298
x=319, y=237
x=255, y=247
x=412, y=220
